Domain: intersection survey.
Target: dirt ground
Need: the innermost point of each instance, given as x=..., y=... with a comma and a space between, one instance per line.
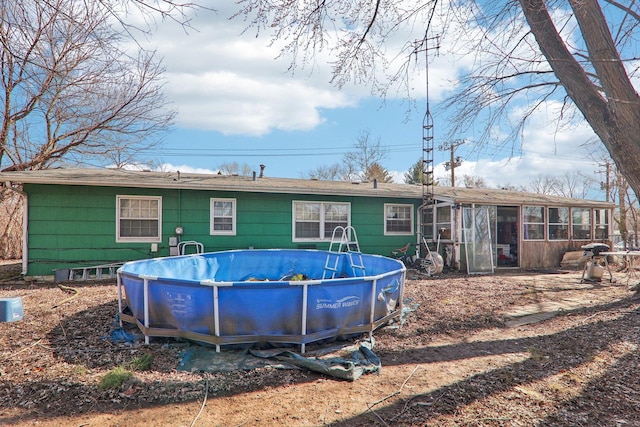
x=516, y=349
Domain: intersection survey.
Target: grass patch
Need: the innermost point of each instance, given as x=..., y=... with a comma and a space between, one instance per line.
x=115, y=378
x=141, y=363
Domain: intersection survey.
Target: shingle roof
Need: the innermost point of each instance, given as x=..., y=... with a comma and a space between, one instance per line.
x=191, y=181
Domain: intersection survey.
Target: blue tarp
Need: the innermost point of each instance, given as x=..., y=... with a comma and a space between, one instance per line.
x=346, y=362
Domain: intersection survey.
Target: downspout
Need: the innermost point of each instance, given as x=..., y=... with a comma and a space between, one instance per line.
x=456, y=235
x=25, y=223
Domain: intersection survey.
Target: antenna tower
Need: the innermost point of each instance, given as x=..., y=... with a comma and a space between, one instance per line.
x=425, y=45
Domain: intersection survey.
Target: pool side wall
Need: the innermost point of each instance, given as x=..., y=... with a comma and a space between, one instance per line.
x=297, y=312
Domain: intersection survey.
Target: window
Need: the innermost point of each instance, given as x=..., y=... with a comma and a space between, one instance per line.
x=223, y=217
x=581, y=223
x=533, y=222
x=139, y=219
x=602, y=224
x=427, y=222
x=558, y=223
x=317, y=220
x=398, y=219
x=443, y=222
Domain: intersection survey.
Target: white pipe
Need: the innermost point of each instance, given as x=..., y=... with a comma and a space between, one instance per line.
x=216, y=315
x=119, y=284
x=146, y=308
x=25, y=224
x=373, y=306
x=304, y=315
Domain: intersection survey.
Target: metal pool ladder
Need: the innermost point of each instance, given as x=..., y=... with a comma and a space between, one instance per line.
x=347, y=243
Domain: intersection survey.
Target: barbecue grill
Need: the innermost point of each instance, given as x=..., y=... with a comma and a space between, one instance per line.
x=594, y=268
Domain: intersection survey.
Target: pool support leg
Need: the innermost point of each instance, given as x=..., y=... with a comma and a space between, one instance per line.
x=374, y=283
x=146, y=308
x=119, y=285
x=216, y=315
x=304, y=316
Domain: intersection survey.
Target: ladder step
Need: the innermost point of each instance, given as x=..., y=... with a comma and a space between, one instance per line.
x=97, y=272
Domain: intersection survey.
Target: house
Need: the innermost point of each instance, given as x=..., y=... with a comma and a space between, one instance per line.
x=85, y=217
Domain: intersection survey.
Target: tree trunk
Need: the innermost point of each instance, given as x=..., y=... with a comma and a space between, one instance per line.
x=622, y=207
x=10, y=226
x=612, y=107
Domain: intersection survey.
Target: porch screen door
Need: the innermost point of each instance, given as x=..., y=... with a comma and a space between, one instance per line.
x=477, y=240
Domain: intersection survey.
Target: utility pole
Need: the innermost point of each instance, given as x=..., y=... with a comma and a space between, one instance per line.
x=606, y=186
x=455, y=161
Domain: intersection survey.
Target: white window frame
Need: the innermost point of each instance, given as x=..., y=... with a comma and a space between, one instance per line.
x=387, y=219
x=566, y=225
x=321, y=220
x=443, y=226
x=138, y=239
x=588, y=226
x=212, y=217
x=541, y=225
x=599, y=224
x=427, y=221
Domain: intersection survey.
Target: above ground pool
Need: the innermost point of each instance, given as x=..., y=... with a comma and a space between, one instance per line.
x=261, y=296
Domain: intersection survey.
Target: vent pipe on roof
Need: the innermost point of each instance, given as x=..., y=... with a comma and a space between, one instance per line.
x=375, y=183
x=254, y=175
x=262, y=171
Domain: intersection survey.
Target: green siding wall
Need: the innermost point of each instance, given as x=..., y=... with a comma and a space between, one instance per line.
x=72, y=226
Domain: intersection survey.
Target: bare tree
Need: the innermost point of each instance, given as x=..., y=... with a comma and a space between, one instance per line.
x=474, y=181
x=574, y=184
x=355, y=163
x=543, y=184
x=151, y=11
x=365, y=153
x=571, y=184
x=574, y=52
x=70, y=91
x=11, y=207
x=331, y=172
x=628, y=212
x=234, y=168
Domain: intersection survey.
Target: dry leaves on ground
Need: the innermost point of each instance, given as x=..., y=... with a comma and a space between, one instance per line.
x=453, y=362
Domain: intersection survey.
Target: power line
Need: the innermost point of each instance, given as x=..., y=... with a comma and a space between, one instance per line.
x=270, y=152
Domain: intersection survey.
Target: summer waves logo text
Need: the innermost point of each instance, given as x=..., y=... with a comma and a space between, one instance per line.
x=327, y=304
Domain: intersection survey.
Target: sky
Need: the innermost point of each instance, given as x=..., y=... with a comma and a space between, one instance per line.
x=238, y=102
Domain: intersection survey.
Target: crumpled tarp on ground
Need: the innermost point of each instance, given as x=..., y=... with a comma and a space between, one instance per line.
x=347, y=362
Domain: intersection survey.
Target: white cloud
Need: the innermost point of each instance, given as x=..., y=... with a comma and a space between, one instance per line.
x=168, y=167
x=223, y=80
x=545, y=151
x=232, y=103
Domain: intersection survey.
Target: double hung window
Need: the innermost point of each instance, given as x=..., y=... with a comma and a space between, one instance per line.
x=398, y=219
x=223, y=217
x=139, y=219
x=317, y=220
x=533, y=222
x=558, y=223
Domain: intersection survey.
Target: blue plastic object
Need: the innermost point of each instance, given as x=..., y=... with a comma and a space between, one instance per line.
x=258, y=296
x=11, y=309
